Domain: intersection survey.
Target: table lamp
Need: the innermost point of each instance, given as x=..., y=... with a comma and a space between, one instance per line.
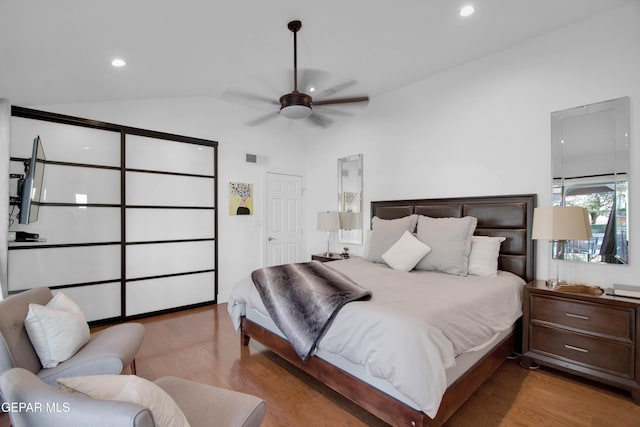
x=558, y=224
x=329, y=222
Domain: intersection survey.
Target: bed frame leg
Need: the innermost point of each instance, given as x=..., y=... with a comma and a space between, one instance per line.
x=244, y=338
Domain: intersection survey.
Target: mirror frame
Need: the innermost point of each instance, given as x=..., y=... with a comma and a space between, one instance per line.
x=350, y=201
x=601, y=171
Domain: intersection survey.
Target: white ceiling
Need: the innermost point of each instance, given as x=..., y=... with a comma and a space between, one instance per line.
x=56, y=52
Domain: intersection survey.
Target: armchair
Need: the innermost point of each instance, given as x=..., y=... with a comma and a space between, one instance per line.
x=108, y=351
x=201, y=404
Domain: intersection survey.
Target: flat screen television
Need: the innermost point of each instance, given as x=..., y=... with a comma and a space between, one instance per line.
x=30, y=188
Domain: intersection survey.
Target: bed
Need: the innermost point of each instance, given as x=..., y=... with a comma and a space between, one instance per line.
x=394, y=401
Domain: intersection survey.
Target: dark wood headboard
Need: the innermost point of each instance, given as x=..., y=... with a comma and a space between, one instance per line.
x=508, y=216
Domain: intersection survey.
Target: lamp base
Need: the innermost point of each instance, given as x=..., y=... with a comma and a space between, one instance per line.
x=554, y=283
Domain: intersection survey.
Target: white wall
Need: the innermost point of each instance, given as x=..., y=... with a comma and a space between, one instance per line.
x=484, y=128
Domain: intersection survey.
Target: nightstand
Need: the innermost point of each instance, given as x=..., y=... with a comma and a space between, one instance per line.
x=327, y=258
x=596, y=337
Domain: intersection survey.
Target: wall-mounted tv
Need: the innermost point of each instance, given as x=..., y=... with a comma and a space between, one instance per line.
x=30, y=188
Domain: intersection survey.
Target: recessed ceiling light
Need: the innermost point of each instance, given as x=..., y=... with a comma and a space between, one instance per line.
x=118, y=62
x=312, y=89
x=467, y=11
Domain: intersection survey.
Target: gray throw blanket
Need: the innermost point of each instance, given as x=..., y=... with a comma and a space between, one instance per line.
x=303, y=299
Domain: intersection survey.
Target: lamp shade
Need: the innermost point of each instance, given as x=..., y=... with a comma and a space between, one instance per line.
x=349, y=220
x=561, y=223
x=328, y=221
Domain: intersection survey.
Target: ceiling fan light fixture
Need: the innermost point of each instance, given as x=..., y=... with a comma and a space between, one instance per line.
x=295, y=105
x=296, y=112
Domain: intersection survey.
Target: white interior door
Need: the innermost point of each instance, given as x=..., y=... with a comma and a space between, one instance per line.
x=284, y=219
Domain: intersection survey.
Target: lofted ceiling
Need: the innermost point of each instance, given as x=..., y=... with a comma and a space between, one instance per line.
x=57, y=52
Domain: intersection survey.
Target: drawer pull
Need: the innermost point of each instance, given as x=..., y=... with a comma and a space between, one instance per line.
x=577, y=316
x=571, y=347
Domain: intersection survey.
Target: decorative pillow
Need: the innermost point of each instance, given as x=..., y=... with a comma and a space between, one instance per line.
x=483, y=259
x=384, y=233
x=133, y=389
x=405, y=253
x=450, y=242
x=56, y=331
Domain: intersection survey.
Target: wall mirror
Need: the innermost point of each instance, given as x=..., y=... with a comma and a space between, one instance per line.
x=590, y=167
x=350, y=199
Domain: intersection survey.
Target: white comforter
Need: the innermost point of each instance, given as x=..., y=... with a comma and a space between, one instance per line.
x=416, y=323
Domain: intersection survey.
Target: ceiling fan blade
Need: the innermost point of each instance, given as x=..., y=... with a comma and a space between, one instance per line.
x=320, y=120
x=335, y=89
x=262, y=119
x=237, y=95
x=341, y=100
x=327, y=109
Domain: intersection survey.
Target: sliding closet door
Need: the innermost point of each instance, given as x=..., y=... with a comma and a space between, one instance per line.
x=128, y=216
x=170, y=227
x=79, y=216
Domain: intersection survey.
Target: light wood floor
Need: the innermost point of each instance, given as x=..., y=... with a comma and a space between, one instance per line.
x=201, y=345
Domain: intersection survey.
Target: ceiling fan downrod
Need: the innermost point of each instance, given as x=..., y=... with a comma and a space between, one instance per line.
x=294, y=27
x=295, y=105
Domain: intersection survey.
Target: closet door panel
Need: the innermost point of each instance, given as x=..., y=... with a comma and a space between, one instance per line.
x=96, y=301
x=171, y=156
x=146, y=296
x=169, y=224
x=81, y=185
x=169, y=258
x=168, y=190
x=74, y=224
x=32, y=268
x=61, y=142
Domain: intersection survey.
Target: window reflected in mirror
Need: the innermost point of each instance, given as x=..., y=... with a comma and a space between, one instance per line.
x=590, y=165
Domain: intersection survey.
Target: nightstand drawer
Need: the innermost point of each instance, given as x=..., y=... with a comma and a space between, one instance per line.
x=611, y=356
x=585, y=316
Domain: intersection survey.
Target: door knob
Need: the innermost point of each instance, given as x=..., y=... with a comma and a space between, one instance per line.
x=271, y=238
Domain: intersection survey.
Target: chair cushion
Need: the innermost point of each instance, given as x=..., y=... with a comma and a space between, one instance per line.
x=226, y=408
x=57, y=331
x=132, y=389
x=107, y=352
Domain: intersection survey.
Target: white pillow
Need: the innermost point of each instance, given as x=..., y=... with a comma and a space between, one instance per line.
x=405, y=253
x=133, y=389
x=56, y=331
x=483, y=259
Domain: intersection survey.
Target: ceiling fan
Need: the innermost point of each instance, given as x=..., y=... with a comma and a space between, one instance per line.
x=299, y=105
